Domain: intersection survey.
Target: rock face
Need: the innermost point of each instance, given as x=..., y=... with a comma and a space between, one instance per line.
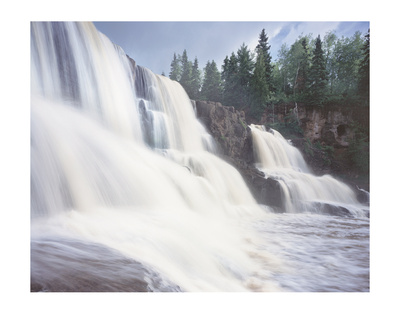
x=233, y=136
x=229, y=129
x=331, y=126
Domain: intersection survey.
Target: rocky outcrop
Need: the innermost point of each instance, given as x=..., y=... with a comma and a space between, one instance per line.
x=233, y=136
x=330, y=125
x=229, y=129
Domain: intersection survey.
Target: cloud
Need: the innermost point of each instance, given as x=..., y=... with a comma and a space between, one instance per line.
x=152, y=44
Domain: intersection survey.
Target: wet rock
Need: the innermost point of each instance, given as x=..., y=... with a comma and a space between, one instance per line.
x=228, y=127
x=64, y=265
x=333, y=210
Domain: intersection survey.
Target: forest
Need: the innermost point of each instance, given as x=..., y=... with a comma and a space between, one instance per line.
x=317, y=71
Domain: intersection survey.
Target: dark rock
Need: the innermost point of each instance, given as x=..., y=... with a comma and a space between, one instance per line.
x=268, y=191
x=362, y=196
x=64, y=265
x=233, y=136
x=229, y=129
x=333, y=210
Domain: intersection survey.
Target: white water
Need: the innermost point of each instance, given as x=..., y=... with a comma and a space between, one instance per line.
x=119, y=162
x=302, y=191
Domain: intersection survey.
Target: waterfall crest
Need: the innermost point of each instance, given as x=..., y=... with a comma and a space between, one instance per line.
x=118, y=158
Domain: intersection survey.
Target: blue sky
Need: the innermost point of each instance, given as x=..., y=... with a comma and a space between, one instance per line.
x=152, y=44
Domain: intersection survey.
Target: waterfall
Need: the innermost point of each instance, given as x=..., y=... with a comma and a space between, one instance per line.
x=121, y=170
x=302, y=191
x=118, y=159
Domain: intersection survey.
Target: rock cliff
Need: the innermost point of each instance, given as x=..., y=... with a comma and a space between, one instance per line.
x=233, y=136
x=329, y=126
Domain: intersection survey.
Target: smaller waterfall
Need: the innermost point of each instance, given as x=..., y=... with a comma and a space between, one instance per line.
x=302, y=191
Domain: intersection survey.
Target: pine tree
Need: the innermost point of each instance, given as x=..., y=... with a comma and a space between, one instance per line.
x=363, y=86
x=318, y=74
x=212, y=85
x=176, y=69
x=230, y=81
x=303, y=68
x=185, y=79
x=245, y=71
x=195, y=80
x=259, y=86
x=264, y=47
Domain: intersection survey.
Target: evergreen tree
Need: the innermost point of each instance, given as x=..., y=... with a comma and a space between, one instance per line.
x=195, y=80
x=264, y=47
x=212, y=85
x=185, y=79
x=245, y=71
x=363, y=86
x=303, y=67
x=230, y=82
x=176, y=69
x=318, y=75
x=259, y=86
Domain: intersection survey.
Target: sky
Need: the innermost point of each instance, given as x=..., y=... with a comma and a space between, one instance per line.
x=153, y=44
x=15, y=129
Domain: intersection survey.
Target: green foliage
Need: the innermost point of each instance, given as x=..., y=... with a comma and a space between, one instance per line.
x=324, y=152
x=347, y=55
x=212, y=85
x=308, y=148
x=310, y=71
x=363, y=86
x=263, y=47
x=327, y=152
x=259, y=86
x=187, y=74
x=318, y=75
x=244, y=75
x=195, y=80
x=290, y=128
x=230, y=82
x=332, y=76
x=176, y=69
x=237, y=72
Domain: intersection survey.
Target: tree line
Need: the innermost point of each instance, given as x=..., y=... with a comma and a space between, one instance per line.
x=318, y=71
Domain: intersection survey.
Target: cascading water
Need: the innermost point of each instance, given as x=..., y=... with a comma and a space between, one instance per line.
x=126, y=191
x=98, y=177
x=302, y=191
